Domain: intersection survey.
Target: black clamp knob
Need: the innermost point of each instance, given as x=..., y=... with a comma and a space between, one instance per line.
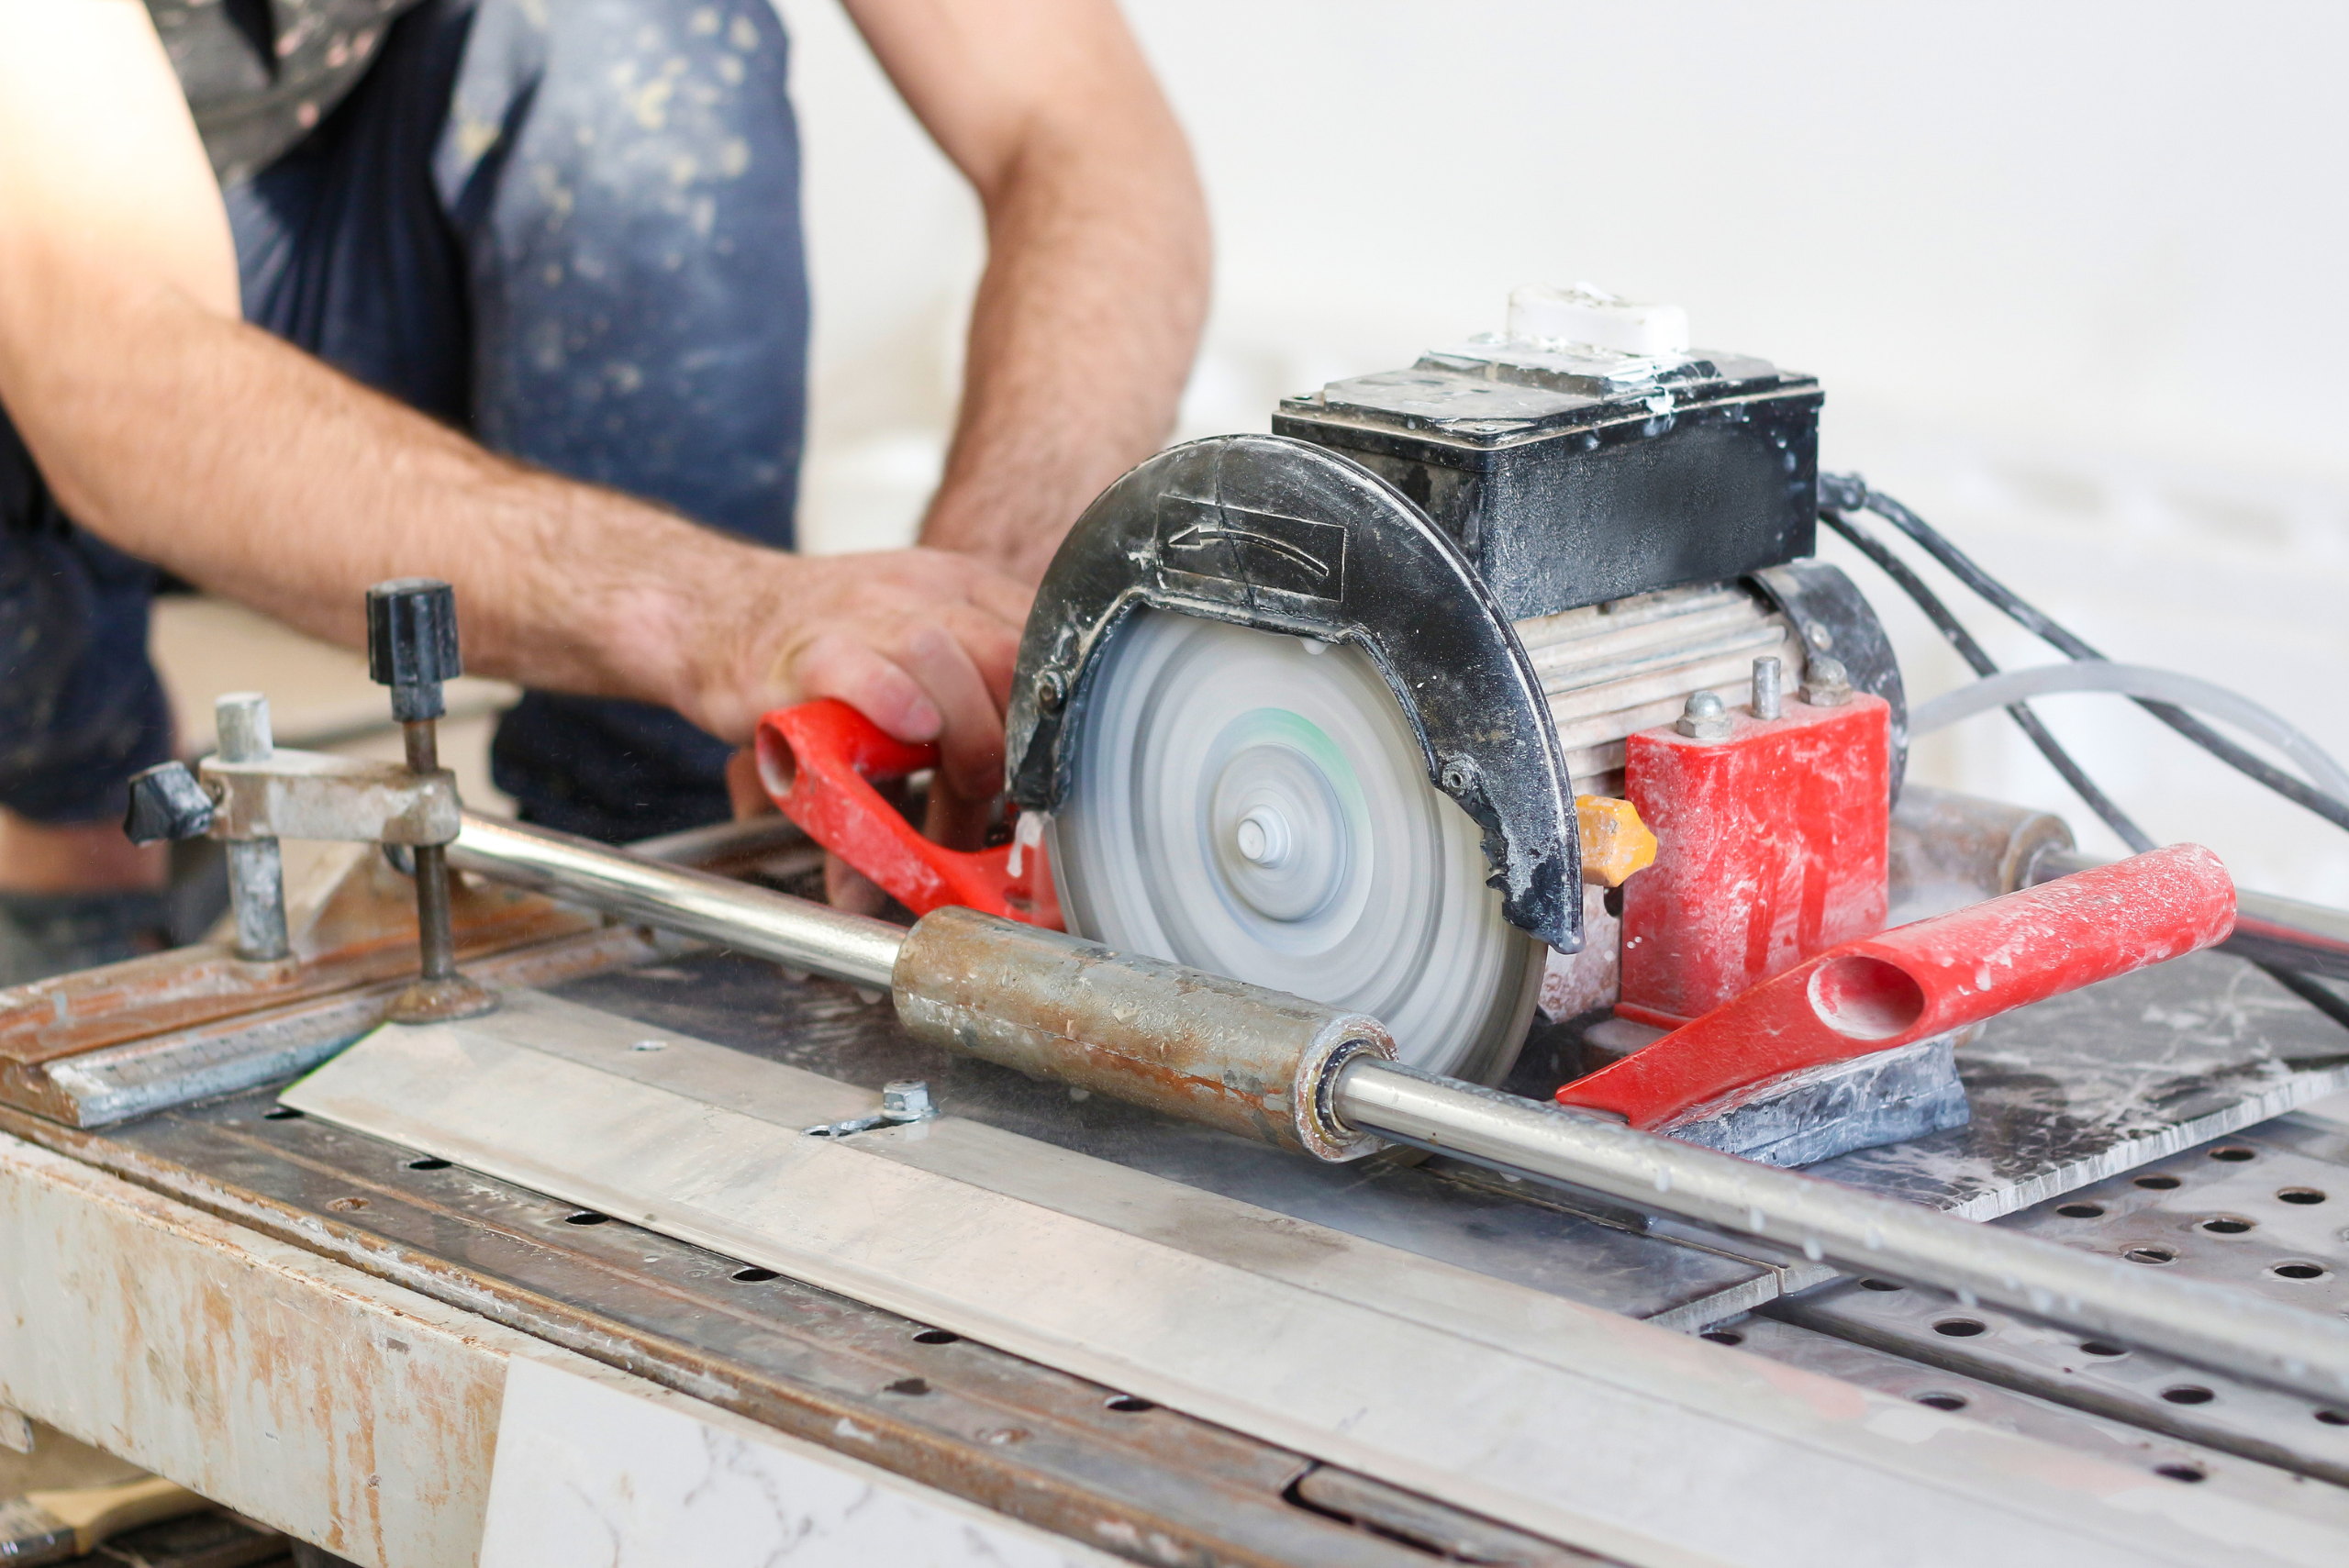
x=412, y=643
x=166, y=803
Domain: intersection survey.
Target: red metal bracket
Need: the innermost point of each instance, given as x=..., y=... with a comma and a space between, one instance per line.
x=819, y=759
x=1925, y=979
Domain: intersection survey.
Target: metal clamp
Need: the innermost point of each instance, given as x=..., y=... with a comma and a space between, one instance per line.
x=250, y=795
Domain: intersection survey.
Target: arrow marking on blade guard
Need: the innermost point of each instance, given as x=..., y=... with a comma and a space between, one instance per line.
x=1200, y=536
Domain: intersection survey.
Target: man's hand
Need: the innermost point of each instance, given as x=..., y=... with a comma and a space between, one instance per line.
x=1097, y=256
x=919, y=641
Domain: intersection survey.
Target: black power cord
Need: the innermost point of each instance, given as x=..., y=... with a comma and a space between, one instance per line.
x=1835, y=492
x=1875, y=549
x=1847, y=491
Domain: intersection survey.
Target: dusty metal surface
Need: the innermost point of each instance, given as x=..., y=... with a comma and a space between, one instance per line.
x=1483, y=1398
x=1439, y=1210
x=1056, y=1449
x=2081, y=1431
x=2087, y=1085
x=2253, y=1211
x=286, y=794
x=354, y=923
x=280, y=1383
x=98, y=1086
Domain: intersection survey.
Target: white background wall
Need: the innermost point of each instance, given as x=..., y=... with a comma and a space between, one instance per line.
x=2071, y=275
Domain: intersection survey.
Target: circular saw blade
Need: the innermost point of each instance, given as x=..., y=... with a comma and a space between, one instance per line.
x=1254, y=804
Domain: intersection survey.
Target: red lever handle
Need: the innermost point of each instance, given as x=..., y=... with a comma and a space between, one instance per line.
x=819, y=760
x=1921, y=980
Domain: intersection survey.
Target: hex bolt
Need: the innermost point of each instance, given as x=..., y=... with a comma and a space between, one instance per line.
x=1705, y=717
x=256, y=870
x=1052, y=690
x=1825, y=682
x=1766, y=688
x=907, y=1099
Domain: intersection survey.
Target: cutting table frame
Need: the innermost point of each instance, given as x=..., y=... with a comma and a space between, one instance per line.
x=316, y=1325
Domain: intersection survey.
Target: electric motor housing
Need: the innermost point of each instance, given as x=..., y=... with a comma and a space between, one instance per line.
x=1572, y=478
x=1544, y=547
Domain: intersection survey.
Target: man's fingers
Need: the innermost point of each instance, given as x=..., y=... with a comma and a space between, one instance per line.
x=744, y=792
x=838, y=664
x=1006, y=598
x=992, y=647
x=970, y=743
x=845, y=887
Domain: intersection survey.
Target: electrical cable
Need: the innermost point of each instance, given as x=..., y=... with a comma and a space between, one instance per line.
x=2133, y=681
x=1849, y=491
x=2309, y=989
x=1891, y=565
x=2322, y=997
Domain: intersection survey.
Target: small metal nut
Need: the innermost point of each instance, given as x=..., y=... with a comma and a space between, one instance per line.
x=907, y=1099
x=1705, y=718
x=1457, y=777
x=1825, y=682
x=1052, y=690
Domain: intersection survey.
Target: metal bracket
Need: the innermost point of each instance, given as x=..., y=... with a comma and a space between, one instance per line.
x=903, y=1101
x=1288, y=537
x=1833, y=617
x=313, y=795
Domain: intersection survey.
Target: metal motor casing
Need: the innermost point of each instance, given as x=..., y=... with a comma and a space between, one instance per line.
x=1575, y=476
x=1543, y=552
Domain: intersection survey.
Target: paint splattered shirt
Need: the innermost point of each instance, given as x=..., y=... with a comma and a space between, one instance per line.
x=260, y=73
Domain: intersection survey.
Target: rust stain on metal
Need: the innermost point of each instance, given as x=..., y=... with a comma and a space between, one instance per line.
x=361, y=936
x=315, y=1019
x=1025, y=1439
x=1136, y=1028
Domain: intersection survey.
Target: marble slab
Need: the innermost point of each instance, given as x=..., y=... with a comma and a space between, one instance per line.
x=595, y=1468
x=2087, y=1085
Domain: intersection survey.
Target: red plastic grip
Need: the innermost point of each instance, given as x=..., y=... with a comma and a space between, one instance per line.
x=1921, y=980
x=819, y=760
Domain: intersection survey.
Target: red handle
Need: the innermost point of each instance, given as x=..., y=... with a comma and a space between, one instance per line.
x=819, y=759
x=1921, y=980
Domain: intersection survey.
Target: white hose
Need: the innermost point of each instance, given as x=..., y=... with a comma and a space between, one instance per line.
x=2013, y=686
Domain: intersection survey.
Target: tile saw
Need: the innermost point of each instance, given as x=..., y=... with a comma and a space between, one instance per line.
x=1473, y=816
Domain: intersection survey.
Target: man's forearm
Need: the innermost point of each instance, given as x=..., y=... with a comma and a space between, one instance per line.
x=252, y=470
x=1081, y=339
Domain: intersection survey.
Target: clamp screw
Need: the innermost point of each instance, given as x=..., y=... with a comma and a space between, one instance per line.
x=1705, y=718
x=1826, y=684
x=1052, y=690
x=412, y=643
x=1458, y=777
x=412, y=648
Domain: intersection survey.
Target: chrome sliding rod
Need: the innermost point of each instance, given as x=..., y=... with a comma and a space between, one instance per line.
x=1164, y=1036
x=794, y=931
x=2231, y=1330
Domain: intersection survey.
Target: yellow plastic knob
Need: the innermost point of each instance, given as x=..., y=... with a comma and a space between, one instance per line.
x=1615, y=842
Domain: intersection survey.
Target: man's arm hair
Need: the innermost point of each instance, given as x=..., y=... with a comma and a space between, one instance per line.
x=170, y=427
x=1098, y=255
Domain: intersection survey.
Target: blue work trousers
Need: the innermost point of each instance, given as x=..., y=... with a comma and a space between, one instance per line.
x=571, y=230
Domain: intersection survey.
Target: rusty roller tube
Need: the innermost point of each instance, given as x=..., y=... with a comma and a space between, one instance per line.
x=1257, y=1063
